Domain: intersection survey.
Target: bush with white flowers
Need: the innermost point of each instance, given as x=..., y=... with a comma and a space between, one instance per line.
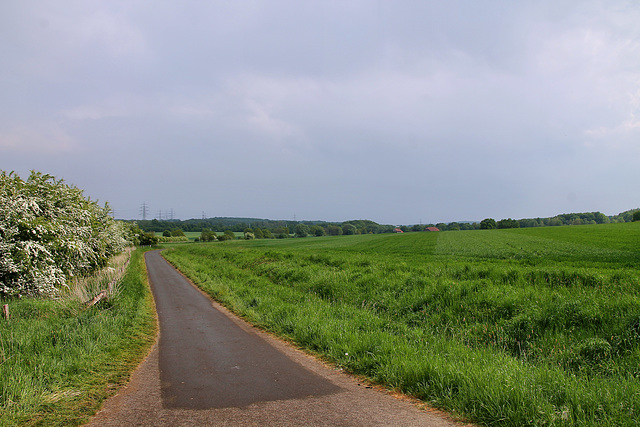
x=49, y=233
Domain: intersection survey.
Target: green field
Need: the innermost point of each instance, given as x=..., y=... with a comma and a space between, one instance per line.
x=536, y=326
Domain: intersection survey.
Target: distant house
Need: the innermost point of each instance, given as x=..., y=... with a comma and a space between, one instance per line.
x=397, y=230
x=432, y=229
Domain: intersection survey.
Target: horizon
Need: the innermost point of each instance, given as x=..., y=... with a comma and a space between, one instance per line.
x=367, y=219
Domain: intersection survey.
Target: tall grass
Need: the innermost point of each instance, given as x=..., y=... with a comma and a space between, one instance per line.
x=108, y=279
x=513, y=327
x=59, y=360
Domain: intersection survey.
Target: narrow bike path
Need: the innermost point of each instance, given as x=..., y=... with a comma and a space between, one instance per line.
x=211, y=368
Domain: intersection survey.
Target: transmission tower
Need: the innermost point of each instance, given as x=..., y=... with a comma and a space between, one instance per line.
x=171, y=214
x=144, y=210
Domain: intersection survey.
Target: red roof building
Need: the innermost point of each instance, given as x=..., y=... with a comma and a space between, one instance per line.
x=432, y=229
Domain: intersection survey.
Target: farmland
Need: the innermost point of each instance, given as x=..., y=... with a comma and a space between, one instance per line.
x=536, y=326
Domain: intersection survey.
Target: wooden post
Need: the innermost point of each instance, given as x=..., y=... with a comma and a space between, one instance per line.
x=5, y=311
x=97, y=298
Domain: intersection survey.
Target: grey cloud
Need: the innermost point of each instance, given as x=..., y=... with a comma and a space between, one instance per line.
x=395, y=111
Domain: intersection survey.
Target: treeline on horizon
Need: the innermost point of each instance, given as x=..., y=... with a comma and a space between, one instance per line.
x=279, y=227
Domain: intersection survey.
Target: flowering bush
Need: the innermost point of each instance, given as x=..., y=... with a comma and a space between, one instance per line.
x=49, y=233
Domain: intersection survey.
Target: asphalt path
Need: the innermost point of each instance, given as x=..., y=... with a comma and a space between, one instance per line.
x=211, y=368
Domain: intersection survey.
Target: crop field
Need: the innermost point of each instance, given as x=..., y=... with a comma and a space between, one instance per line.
x=537, y=326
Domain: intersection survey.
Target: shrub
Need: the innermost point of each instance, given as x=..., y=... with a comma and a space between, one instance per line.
x=49, y=232
x=207, y=235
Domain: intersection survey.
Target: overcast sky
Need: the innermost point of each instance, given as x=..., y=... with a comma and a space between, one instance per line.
x=401, y=112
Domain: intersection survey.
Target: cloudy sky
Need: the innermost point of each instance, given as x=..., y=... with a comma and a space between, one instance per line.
x=396, y=111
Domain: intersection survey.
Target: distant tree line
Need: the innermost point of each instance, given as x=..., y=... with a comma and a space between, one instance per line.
x=268, y=228
x=223, y=228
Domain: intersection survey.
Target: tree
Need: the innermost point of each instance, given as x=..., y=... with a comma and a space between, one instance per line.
x=249, y=236
x=488, y=224
x=282, y=230
x=508, y=223
x=258, y=233
x=317, y=231
x=600, y=218
x=349, y=229
x=166, y=233
x=636, y=216
x=302, y=230
x=334, y=230
x=177, y=233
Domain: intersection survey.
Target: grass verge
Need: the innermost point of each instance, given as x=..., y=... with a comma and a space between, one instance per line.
x=59, y=361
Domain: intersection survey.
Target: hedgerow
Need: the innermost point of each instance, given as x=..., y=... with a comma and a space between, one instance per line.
x=49, y=233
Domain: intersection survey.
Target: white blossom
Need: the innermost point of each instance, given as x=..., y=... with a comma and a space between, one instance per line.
x=50, y=232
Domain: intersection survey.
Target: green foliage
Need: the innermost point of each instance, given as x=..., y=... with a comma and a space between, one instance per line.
x=49, y=232
x=636, y=216
x=208, y=236
x=148, y=239
x=537, y=326
x=334, y=230
x=349, y=229
x=508, y=223
x=249, y=236
x=302, y=230
x=488, y=224
x=317, y=231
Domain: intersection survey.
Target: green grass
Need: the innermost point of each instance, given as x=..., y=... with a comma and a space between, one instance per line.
x=192, y=235
x=59, y=361
x=505, y=327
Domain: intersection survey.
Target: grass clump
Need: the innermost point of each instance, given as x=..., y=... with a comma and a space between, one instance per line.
x=506, y=327
x=59, y=360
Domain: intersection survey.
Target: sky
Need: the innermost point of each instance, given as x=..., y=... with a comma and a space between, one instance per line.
x=401, y=112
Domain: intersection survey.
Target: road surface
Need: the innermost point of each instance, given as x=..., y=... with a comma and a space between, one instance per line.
x=211, y=368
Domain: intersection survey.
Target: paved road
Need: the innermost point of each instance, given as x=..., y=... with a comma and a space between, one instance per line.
x=211, y=368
